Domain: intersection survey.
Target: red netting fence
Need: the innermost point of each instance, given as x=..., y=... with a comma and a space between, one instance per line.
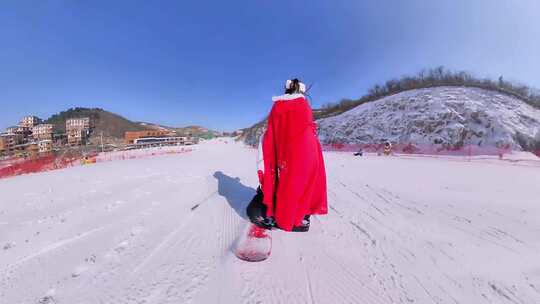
x=471, y=152
x=14, y=167
x=46, y=163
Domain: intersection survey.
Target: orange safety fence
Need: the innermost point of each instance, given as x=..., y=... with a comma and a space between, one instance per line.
x=14, y=167
x=40, y=164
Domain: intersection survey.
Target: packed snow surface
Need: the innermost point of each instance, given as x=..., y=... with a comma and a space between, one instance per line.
x=453, y=116
x=160, y=230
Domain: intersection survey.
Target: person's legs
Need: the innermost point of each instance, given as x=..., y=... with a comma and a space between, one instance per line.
x=256, y=211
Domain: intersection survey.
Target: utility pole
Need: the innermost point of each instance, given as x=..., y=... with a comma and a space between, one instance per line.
x=101, y=136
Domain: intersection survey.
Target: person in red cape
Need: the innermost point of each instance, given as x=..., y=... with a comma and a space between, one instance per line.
x=290, y=166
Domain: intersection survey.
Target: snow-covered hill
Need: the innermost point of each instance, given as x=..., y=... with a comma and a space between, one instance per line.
x=451, y=116
x=159, y=230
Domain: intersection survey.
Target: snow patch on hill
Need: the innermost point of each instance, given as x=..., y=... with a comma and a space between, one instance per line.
x=449, y=116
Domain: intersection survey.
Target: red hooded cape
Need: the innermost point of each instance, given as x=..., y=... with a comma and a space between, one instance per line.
x=292, y=173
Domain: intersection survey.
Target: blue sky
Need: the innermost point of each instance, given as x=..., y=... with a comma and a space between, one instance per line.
x=217, y=63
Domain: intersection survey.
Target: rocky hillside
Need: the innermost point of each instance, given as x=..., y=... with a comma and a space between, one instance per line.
x=447, y=116
x=252, y=134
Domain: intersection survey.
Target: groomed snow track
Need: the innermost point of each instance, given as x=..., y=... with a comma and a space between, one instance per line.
x=159, y=230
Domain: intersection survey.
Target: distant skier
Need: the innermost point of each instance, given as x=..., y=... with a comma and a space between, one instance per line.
x=290, y=166
x=387, y=148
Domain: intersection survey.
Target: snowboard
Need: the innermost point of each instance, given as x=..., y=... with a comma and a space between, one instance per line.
x=254, y=244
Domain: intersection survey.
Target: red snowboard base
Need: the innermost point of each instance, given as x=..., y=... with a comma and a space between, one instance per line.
x=254, y=244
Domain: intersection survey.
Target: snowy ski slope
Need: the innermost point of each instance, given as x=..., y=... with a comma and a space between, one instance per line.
x=159, y=230
x=453, y=116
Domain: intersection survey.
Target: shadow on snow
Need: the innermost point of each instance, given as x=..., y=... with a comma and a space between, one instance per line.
x=237, y=195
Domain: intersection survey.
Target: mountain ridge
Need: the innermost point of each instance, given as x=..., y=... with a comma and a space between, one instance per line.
x=114, y=125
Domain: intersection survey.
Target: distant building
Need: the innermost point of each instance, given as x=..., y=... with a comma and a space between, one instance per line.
x=147, y=142
x=29, y=121
x=26, y=149
x=3, y=145
x=78, y=123
x=191, y=141
x=131, y=136
x=24, y=131
x=45, y=146
x=160, y=141
x=43, y=132
x=11, y=130
x=76, y=137
x=78, y=130
x=8, y=142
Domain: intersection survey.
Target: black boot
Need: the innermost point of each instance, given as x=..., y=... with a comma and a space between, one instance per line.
x=256, y=211
x=304, y=227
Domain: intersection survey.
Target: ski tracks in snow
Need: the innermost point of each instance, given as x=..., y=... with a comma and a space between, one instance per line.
x=161, y=231
x=456, y=246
